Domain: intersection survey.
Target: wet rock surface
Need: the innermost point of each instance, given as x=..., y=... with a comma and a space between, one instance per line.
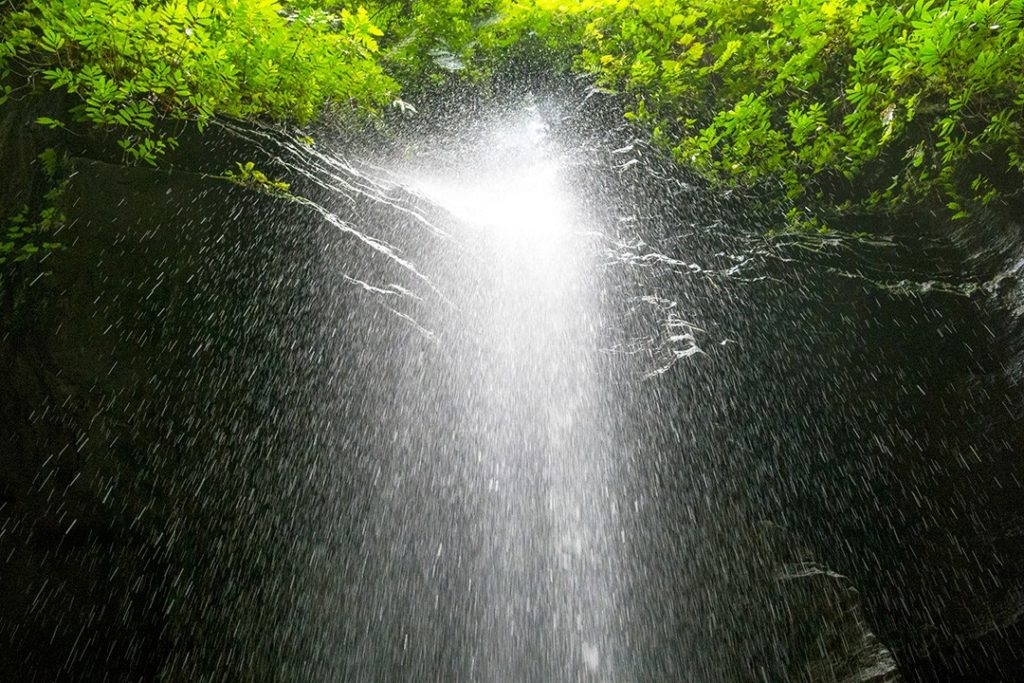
x=151, y=524
x=99, y=435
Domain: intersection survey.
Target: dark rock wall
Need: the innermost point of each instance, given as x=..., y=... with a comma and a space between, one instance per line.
x=160, y=390
x=152, y=354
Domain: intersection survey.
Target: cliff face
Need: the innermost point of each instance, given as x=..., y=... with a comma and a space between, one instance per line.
x=971, y=566
x=164, y=459
x=850, y=395
x=138, y=366
x=163, y=386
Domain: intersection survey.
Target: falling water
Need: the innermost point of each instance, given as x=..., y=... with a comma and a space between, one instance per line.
x=528, y=439
x=543, y=501
x=497, y=441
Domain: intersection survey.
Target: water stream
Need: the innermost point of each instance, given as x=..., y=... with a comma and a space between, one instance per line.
x=526, y=434
x=522, y=465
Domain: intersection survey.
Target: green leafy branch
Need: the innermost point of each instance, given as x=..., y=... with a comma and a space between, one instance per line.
x=26, y=235
x=137, y=67
x=250, y=177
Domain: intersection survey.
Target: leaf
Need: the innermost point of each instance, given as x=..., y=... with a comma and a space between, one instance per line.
x=50, y=123
x=51, y=41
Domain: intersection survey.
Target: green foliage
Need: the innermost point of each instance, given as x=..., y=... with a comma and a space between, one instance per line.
x=251, y=177
x=135, y=63
x=26, y=235
x=434, y=40
x=913, y=100
x=844, y=102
